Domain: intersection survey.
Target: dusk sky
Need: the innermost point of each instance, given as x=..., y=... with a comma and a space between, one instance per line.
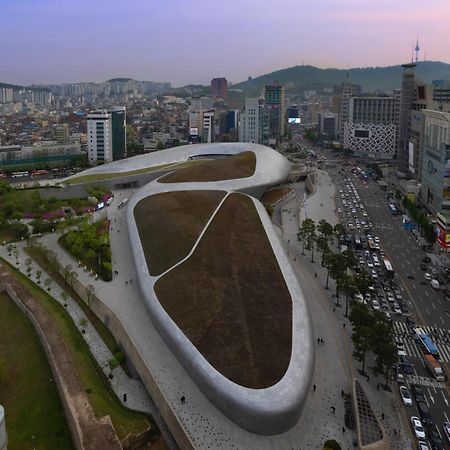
x=55, y=41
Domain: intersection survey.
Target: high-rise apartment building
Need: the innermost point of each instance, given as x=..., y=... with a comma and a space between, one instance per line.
x=106, y=135
x=328, y=125
x=219, y=87
x=6, y=95
x=62, y=133
x=274, y=96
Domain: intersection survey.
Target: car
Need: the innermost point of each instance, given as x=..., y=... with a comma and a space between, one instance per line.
x=422, y=445
x=374, y=274
x=405, y=395
x=400, y=348
x=446, y=428
x=370, y=264
x=375, y=305
x=435, y=438
x=424, y=413
x=390, y=297
x=427, y=276
x=397, y=309
x=417, y=427
x=419, y=395
x=426, y=259
x=423, y=266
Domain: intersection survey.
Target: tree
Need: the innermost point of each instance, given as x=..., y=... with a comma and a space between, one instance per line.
x=90, y=294
x=363, y=281
x=327, y=259
x=325, y=231
x=83, y=324
x=48, y=283
x=72, y=277
x=38, y=276
x=337, y=270
x=361, y=320
x=382, y=345
x=303, y=234
x=339, y=231
x=65, y=297
x=113, y=363
x=28, y=263
x=66, y=272
x=349, y=289
x=160, y=145
x=310, y=237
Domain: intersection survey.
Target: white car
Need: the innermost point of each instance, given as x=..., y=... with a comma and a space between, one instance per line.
x=397, y=309
x=376, y=239
x=390, y=297
x=406, y=396
x=374, y=275
x=375, y=305
x=427, y=276
x=370, y=264
x=446, y=427
x=417, y=427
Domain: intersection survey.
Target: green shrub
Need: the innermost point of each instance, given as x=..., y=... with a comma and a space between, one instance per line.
x=331, y=444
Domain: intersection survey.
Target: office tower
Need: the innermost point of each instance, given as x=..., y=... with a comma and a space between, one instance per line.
x=208, y=126
x=99, y=137
x=328, y=125
x=219, y=87
x=6, y=95
x=118, y=131
x=406, y=102
x=370, y=125
x=274, y=97
x=201, y=104
x=436, y=161
x=62, y=133
x=254, y=122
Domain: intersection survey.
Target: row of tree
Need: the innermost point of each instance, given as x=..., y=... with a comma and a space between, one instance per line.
x=340, y=265
x=372, y=331
x=419, y=217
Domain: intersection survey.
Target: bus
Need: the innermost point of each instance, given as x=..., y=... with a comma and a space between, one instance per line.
x=388, y=267
x=20, y=174
x=39, y=172
x=426, y=343
x=392, y=209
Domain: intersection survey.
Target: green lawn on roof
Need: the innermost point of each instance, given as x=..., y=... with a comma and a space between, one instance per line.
x=241, y=165
x=230, y=298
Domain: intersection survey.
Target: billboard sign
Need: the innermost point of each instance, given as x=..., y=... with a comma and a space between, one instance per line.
x=295, y=120
x=193, y=131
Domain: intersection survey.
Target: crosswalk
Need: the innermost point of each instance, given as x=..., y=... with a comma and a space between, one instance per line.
x=439, y=336
x=424, y=381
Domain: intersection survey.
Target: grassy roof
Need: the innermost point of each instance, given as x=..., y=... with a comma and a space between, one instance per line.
x=230, y=298
x=170, y=223
x=241, y=165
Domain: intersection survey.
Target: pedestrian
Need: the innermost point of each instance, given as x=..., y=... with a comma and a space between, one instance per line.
x=183, y=399
x=343, y=429
x=314, y=388
x=334, y=309
x=342, y=393
x=318, y=340
x=367, y=376
x=315, y=275
x=333, y=409
x=378, y=386
x=343, y=326
x=382, y=416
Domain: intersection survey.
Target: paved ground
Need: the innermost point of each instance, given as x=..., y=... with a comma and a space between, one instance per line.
x=208, y=427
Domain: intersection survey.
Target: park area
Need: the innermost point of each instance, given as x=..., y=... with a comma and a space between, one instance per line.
x=170, y=223
x=236, y=309
x=27, y=393
x=232, y=167
x=89, y=244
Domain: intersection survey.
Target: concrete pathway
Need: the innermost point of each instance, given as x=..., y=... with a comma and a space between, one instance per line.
x=137, y=397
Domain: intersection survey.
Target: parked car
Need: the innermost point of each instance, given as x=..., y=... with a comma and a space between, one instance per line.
x=417, y=427
x=405, y=395
x=422, y=445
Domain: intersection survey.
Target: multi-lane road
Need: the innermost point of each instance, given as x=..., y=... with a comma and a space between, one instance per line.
x=426, y=306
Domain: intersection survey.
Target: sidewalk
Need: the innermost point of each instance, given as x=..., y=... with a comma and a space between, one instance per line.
x=335, y=367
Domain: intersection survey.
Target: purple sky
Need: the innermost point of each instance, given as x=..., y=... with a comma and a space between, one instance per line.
x=55, y=41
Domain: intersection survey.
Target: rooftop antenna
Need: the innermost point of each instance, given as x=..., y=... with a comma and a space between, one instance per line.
x=417, y=48
x=412, y=54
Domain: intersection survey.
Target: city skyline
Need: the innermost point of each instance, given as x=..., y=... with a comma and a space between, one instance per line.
x=183, y=44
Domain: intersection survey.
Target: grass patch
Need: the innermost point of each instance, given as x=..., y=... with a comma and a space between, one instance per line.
x=272, y=196
x=101, y=397
x=230, y=298
x=170, y=223
x=106, y=335
x=30, y=399
x=90, y=245
x=108, y=176
x=241, y=165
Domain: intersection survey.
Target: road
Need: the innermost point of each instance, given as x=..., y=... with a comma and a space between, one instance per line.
x=426, y=306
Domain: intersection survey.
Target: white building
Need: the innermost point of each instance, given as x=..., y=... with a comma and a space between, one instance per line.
x=6, y=95
x=99, y=130
x=253, y=122
x=208, y=127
